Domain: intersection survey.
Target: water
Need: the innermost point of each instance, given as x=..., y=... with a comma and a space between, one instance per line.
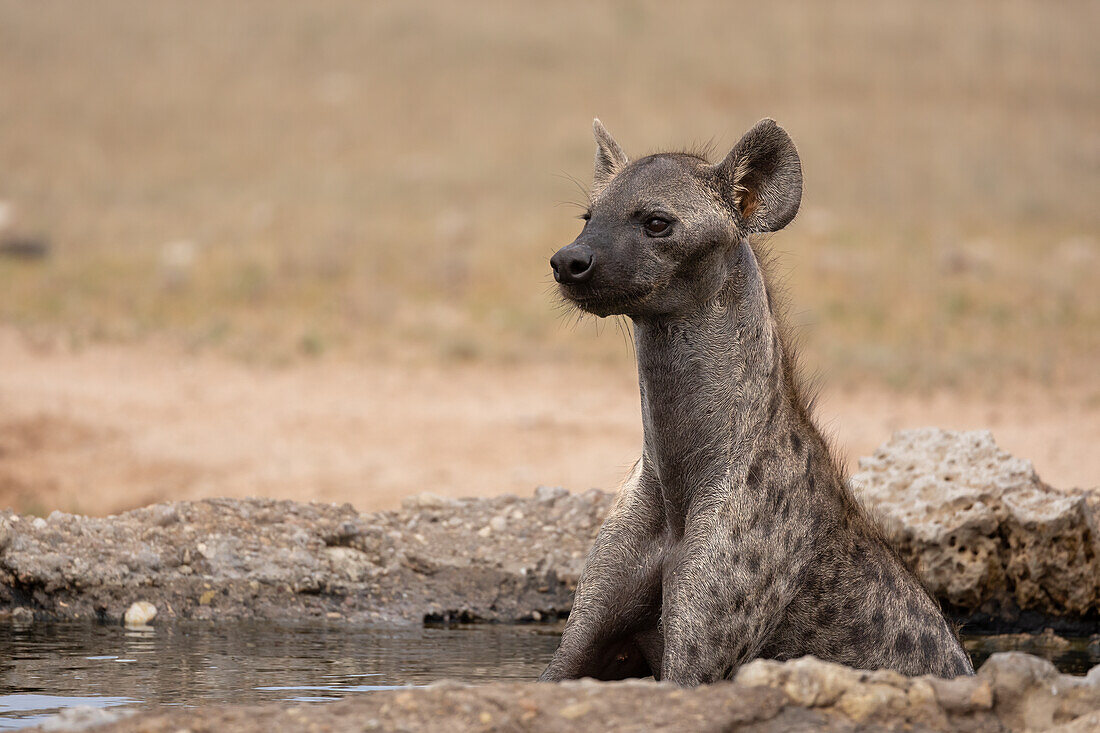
x=1071, y=655
x=46, y=668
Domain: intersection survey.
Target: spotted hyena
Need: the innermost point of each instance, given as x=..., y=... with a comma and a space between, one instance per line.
x=736, y=535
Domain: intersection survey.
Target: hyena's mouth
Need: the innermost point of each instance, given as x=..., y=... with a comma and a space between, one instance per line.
x=604, y=301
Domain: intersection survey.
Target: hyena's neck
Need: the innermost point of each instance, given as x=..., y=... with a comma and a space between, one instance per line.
x=710, y=386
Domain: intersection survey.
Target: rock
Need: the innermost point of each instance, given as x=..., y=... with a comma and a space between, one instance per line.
x=984, y=532
x=1011, y=692
x=350, y=563
x=988, y=536
x=1030, y=693
x=1085, y=724
x=140, y=613
x=549, y=493
x=575, y=710
x=962, y=695
x=266, y=559
x=427, y=501
x=84, y=717
x=165, y=515
x=22, y=615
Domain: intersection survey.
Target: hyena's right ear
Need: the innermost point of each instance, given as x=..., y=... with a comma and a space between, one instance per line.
x=610, y=158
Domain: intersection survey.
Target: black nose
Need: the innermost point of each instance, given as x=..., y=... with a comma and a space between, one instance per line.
x=572, y=264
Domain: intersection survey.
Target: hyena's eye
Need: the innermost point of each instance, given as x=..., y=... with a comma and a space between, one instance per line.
x=657, y=227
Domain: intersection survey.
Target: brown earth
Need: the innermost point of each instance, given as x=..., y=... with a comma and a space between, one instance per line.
x=109, y=428
x=269, y=177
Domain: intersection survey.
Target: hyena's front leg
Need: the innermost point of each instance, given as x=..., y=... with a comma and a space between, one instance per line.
x=611, y=629
x=723, y=596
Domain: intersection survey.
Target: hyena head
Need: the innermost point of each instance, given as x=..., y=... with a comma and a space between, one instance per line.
x=661, y=233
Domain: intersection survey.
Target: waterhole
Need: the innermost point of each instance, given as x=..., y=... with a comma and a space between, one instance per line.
x=45, y=668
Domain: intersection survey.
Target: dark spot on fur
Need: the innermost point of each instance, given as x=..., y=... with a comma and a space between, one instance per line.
x=927, y=646
x=756, y=471
x=904, y=644
x=769, y=578
x=693, y=650
x=714, y=636
x=752, y=560
x=796, y=442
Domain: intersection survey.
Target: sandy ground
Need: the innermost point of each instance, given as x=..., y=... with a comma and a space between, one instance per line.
x=114, y=427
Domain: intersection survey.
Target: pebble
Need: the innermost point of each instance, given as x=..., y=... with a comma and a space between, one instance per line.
x=574, y=711
x=22, y=615
x=140, y=613
x=427, y=500
x=164, y=515
x=549, y=493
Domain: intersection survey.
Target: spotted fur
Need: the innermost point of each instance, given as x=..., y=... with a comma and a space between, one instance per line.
x=735, y=536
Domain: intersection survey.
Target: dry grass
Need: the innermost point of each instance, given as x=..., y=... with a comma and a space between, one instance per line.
x=360, y=177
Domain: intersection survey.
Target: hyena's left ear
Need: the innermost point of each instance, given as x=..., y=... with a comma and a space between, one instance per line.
x=761, y=178
x=610, y=158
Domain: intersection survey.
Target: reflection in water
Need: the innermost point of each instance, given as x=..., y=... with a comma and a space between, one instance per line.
x=1070, y=655
x=45, y=668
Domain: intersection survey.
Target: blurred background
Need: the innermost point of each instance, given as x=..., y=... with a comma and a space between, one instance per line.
x=300, y=249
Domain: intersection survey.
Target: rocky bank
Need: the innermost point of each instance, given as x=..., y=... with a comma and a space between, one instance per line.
x=498, y=559
x=996, y=545
x=1011, y=692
